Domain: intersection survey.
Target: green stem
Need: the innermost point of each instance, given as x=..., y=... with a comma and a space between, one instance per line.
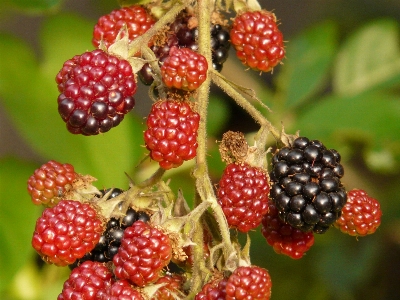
x=220, y=81
x=153, y=61
x=156, y=177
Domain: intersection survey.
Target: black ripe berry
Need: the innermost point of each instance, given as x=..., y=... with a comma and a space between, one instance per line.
x=306, y=187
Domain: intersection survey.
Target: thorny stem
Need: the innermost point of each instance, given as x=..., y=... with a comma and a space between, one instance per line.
x=203, y=182
x=244, y=103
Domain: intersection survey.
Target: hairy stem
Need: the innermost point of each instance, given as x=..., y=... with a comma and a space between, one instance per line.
x=244, y=103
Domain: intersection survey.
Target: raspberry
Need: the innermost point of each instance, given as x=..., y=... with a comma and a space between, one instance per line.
x=361, y=215
x=184, y=69
x=171, y=133
x=122, y=290
x=249, y=283
x=135, y=17
x=49, y=183
x=306, y=186
x=90, y=281
x=170, y=289
x=96, y=92
x=257, y=40
x=214, y=290
x=243, y=195
x=143, y=253
x=66, y=232
x=284, y=238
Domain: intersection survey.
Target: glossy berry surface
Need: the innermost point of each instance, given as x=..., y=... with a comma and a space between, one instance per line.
x=66, y=232
x=257, y=40
x=171, y=133
x=184, y=69
x=135, y=17
x=243, y=195
x=49, y=182
x=121, y=290
x=249, y=282
x=110, y=240
x=306, y=185
x=361, y=215
x=90, y=281
x=143, y=253
x=284, y=238
x=172, y=285
x=96, y=91
x=214, y=290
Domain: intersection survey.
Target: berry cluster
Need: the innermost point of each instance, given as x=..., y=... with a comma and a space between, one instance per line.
x=146, y=242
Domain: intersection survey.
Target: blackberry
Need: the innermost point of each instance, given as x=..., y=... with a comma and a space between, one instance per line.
x=219, y=46
x=306, y=187
x=110, y=240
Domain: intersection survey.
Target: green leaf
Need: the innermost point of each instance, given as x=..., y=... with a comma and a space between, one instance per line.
x=307, y=63
x=369, y=58
x=17, y=218
x=33, y=108
x=218, y=115
x=369, y=118
x=33, y=5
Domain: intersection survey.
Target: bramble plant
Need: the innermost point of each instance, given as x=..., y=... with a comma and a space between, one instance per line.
x=148, y=241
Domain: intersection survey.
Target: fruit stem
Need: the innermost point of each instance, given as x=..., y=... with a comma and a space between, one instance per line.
x=152, y=59
x=203, y=183
x=153, y=179
x=136, y=45
x=222, y=83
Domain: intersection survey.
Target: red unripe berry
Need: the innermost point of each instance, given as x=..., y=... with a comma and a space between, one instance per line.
x=171, y=134
x=144, y=252
x=49, y=182
x=170, y=289
x=122, y=290
x=243, y=195
x=66, y=232
x=184, y=69
x=257, y=40
x=135, y=17
x=361, y=215
x=247, y=283
x=90, y=281
x=214, y=290
x=96, y=91
x=284, y=238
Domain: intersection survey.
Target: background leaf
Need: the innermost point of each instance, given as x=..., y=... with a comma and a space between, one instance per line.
x=308, y=59
x=33, y=5
x=371, y=118
x=369, y=58
x=16, y=214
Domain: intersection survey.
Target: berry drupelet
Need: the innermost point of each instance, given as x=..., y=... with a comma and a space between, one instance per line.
x=257, y=40
x=171, y=133
x=243, y=195
x=306, y=186
x=66, y=232
x=136, y=19
x=361, y=215
x=49, y=182
x=284, y=238
x=96, y=91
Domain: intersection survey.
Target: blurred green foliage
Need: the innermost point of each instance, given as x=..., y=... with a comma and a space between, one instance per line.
x=343, y=92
